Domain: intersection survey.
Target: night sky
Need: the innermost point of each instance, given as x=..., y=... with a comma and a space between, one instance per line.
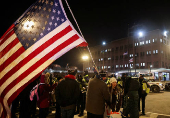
x=98, y=20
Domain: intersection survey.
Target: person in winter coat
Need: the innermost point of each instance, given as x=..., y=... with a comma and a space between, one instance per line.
x=131, y=98
x=97, y=95
x=82, y=98
x=116, y=97
x=44, y=96
x=142, y=93
x=67, y=94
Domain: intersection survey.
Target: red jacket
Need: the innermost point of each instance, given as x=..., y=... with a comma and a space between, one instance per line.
x=44, y=96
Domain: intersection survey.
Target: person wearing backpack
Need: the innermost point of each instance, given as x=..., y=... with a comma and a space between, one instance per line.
x=44, y=90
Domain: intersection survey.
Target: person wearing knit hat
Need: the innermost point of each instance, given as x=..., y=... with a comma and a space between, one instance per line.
x=115, y=95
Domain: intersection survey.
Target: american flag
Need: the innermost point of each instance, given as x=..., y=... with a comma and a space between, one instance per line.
x=39, y=37
x=131, y=60
x=125, y=53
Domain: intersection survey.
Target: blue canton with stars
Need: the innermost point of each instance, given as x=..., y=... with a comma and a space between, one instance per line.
x=40, y=19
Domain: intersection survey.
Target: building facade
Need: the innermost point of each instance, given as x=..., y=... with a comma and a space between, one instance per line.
x=150, y=53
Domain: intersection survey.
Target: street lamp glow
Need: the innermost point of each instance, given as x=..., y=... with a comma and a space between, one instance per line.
x=104, y=43
x=140, y=34
x=85, y=57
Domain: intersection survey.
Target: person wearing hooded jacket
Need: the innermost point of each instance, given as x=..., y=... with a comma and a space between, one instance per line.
x=67, y=94
x=97, y=95
x=44, y=95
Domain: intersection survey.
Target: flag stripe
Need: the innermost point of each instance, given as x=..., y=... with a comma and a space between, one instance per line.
x=8, y=47
x=28, y=63
x=20, y=81
x=48, y=62
x=36, y=49
x=8, y=41
x=6, y=36
x=8, y=31
x=12, y=52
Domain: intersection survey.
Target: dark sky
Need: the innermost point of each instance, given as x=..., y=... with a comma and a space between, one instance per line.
x=99, y=20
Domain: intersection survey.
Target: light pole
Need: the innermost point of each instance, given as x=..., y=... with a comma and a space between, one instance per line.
x=84, y=59
x=104, y=43
x=140, y=34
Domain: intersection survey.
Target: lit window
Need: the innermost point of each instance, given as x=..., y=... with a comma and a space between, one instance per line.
x=143, y=64
x=89, y=68
x=153, y=51
x=147, y=53
x=101, y=59
x=162, y=51
x=160, y=40
x=137, y=64
x=105, y=67
x=153, y=40
x=109, y=67
x=106, y=50
x=137, y=44
x=117, y=66
x=109, y=50
x=147, y=42
x=130, y=65
x=102, y=67
x=109, y=58
x=142, y=43
x=122, y=66
x=156, y=51
x=125, y=65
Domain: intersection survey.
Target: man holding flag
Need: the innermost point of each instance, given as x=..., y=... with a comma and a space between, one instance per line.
x=39, y=37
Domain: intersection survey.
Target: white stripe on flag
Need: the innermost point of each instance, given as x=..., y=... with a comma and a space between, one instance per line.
x=32, y=74
x=10, y=52
x=8, y=41
x=33, y=47
x=35, y=59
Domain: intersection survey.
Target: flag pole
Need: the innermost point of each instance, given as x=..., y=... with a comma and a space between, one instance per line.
x=81, y=33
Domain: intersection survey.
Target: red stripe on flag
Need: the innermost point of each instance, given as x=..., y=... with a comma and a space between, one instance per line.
x=8, y=47
x=33, y=54
x=7, y=36
x=10, y=60
x=9, y=30
x=39, y=63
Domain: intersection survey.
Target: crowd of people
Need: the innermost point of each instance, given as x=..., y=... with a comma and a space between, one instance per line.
x=73, y=93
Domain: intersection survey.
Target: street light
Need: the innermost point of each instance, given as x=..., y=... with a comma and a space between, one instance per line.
x=104, y=43
x=85, y=57
x=140, y=34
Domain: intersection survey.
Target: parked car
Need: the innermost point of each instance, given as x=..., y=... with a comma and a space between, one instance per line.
x=155, y=86
x=167, y=86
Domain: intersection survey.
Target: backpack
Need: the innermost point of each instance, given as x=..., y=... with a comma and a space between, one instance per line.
x=34, y=92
